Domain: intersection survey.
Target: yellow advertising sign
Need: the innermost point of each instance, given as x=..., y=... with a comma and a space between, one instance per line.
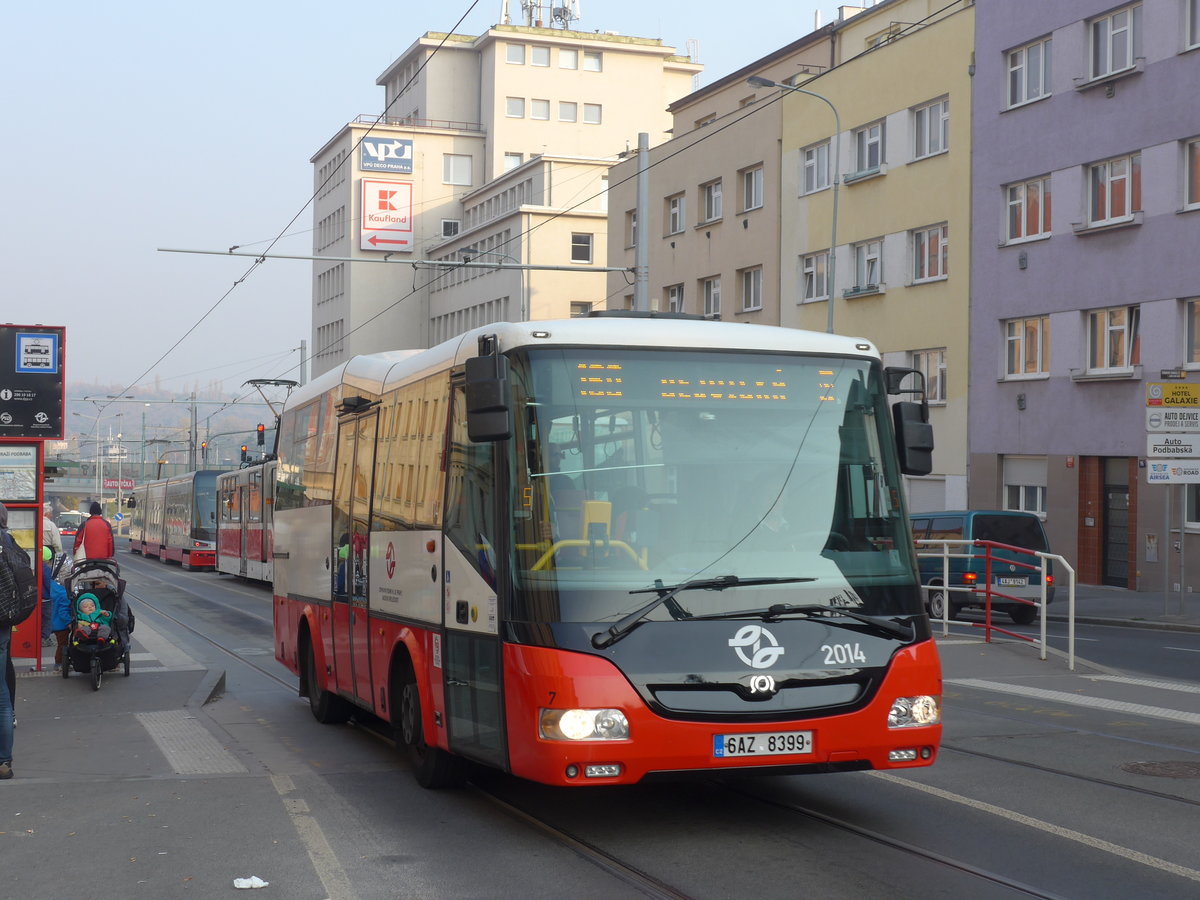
x=1172, y=394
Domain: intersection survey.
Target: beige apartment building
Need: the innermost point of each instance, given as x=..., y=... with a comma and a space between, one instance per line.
x=492, y=148
x=714, y=212
x=900, y=271
x=741, y=209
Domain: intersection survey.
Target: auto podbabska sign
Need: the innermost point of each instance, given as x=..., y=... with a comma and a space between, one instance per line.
x=32, y=381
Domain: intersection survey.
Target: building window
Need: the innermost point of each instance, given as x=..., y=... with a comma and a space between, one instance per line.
x=868, y=265
x=568, y=111
x=515, y=54
x=676, y=213
x=1027, y=346
x=514, y=107
x=456, y=168
x=1114, y=189
x=868, y=147
x=568, y=59
x=931, y=123
x=711, y=289
x=591, y=113
x=1191, y=162
x=1113, y=339
x=539, y=56
x=813, y=269
x=539, y=109
x=1115, y=41
x=1029, y=72
x=1028, y=209
x=930, y=253
x=512, y=160
x=932, y=364
x=593, y=61
x=675, y=298
x=450, y=227
x=1193, y=23
x=1025, y=484
x=752, y=188
x=631, y=226
x=1193, y=331
x=710, y=201
x=580, y=308
x=816, y=167
x=752, y=289
x=581, y=248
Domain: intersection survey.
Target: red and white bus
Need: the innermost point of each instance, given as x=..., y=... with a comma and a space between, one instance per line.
x=597, y=550
x=245, y=511
x=175, y=519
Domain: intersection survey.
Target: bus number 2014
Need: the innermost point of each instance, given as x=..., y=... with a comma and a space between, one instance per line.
x=843, y=654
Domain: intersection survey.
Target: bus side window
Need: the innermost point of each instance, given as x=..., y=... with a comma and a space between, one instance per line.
x=471, y=494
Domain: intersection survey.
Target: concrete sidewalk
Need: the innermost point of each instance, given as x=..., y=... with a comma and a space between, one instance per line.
x=1101, y=605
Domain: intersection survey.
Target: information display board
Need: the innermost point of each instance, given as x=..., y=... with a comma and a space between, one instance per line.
x=32, y=381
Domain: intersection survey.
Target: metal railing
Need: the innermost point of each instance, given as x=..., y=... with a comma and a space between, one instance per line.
x=412, y=122
x=991, y=590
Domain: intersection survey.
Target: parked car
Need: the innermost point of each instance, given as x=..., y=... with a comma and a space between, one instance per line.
x=1016, y=529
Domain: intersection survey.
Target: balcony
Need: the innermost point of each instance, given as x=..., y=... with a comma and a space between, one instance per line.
x=410, y=122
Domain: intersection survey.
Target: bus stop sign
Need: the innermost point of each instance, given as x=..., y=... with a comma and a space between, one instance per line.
x=31, y=381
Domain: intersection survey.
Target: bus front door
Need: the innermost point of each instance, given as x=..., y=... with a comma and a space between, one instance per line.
x=351, y=518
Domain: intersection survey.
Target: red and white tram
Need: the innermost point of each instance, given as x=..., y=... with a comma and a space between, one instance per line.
x=245, y=506
x=175, y=519
x=597, y=550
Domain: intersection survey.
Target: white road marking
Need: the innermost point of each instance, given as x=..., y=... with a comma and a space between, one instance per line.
x=1184, y=649
x=1137, y=709
x=320, y=853
x=1182, y=686
x=1071, y=835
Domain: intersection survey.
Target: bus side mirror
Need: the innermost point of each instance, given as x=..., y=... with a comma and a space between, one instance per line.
x=914, y=437
x=489, y=417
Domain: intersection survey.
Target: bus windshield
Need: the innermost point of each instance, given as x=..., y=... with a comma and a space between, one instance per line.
x=637, y=468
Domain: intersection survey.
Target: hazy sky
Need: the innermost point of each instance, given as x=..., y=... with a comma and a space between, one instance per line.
x=131, y=126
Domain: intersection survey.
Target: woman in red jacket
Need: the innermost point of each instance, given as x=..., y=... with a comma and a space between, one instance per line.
x=95, y=536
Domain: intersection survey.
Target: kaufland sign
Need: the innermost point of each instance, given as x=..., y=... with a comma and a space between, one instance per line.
x=386, y=216
x=393, y=155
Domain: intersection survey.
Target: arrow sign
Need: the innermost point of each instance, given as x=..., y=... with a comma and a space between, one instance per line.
x=386, y=215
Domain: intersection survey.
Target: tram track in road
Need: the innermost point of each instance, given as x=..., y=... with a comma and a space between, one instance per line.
x=629, y=875
x=1075, y=776
x=903, y=847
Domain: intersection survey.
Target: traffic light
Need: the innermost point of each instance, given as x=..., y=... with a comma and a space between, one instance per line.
x=262, y=434
x=245, y=453
x=204, y=451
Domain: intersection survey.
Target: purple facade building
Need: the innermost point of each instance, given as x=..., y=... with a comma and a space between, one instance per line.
x=1086, y=278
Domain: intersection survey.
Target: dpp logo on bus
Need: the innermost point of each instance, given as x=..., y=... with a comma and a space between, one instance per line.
x=380, y=154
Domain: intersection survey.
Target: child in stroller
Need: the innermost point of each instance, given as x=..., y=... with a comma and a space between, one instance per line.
x=91, y=622
x=99, y=632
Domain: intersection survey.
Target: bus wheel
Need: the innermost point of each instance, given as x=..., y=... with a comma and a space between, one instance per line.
x=327, y=708
x=432, y=766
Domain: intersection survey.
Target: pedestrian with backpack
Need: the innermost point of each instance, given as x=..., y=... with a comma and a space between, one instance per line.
x=18, y=597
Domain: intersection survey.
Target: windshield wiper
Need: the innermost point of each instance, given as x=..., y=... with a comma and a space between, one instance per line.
x=816, y=611
x=666, y=593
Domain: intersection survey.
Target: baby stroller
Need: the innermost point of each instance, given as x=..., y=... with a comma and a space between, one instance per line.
x=101, y=620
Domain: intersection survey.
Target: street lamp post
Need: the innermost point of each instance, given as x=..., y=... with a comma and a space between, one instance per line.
x=758, y=81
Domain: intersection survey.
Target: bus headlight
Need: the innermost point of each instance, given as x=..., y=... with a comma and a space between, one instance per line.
x=583, y=725
x=910, y=712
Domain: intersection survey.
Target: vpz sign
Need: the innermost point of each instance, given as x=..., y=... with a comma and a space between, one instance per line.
x=377, y=154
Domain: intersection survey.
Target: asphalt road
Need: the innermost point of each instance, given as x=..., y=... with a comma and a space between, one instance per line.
x=1028, y=797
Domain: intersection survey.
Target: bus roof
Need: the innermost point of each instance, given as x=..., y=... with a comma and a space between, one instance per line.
x=373, y=374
